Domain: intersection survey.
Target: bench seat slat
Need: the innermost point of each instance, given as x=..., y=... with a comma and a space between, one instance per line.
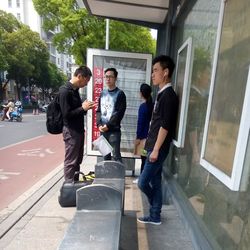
x=115, y=183
x=93, y=230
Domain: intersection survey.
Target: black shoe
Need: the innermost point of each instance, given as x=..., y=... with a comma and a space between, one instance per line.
x=148, y=220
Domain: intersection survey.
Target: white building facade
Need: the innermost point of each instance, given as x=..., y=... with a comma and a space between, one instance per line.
x=25, y=12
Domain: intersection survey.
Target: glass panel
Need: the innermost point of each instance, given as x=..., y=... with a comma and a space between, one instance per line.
x=181, y=68
x=224, y=213
x=131, y=74
x=230, y=85
x=200, y=23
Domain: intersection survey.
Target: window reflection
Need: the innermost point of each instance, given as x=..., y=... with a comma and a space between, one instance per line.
x=230, y=85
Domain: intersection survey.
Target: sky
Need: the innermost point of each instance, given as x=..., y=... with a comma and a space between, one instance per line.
x=154, y=33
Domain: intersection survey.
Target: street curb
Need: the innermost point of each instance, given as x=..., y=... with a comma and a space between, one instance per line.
x=18, y=208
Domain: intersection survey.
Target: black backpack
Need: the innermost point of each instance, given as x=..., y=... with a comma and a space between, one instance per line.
x=54, y=122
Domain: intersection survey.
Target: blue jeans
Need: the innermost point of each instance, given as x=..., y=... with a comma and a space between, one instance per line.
x=114, y=139
x=150, y=184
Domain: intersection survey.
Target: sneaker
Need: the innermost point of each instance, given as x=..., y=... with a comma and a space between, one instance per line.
x=135, y=181
x=148, y=220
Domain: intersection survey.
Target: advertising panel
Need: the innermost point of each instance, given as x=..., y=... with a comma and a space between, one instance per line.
x=133, y=70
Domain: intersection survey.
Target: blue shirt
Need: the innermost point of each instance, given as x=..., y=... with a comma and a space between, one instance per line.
x=144, y=117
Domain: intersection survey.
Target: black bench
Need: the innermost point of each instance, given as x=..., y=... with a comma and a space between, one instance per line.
x=97, y=222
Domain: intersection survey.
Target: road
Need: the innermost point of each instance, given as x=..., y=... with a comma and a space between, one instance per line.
x=27, y=154
x=30, y=127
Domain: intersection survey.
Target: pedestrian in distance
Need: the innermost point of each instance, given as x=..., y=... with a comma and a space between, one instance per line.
x=35, y=106
x=6, y=108
x=161, y=132
x=111, y=108
x=10, y=109
x=143, y=120
x=73, y=111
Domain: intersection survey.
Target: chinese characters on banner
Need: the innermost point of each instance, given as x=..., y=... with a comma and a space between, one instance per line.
x=97, y=89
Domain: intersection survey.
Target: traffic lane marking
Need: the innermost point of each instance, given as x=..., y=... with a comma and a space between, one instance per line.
x=21, y=142
x=36, y=152
x=31, y=169
x=4, y=175
x=20, y=154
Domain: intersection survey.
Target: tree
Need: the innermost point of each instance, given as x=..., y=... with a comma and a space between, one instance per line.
x=51, y=78
x=132, y=38
x=8, y=24
x=26, y=55
x=78, y=30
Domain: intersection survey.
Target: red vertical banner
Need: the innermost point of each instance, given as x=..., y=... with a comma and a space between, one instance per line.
x=97, y=89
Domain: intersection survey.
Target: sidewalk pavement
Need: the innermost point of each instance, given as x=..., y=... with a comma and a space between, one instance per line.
x=43, y=226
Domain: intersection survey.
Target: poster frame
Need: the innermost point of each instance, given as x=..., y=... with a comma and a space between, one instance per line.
x=91, y=52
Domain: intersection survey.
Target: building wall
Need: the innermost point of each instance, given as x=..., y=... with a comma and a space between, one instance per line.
x=25, y=12
x=222, y=211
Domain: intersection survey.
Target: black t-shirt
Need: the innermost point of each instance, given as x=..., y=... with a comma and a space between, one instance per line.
x=164, y=115
x=71, y=107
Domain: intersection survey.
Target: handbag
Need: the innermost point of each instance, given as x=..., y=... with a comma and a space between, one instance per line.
x=139, y=148
x=67, y=196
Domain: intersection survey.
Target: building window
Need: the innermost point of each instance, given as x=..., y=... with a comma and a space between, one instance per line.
x=10, y=3
x=18, y=16
x=227, y=123
x=18, y=3
x=182, y=88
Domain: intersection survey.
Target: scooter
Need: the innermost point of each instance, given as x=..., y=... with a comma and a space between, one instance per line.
x=16, y=115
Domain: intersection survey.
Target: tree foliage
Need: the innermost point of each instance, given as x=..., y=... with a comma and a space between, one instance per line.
x=8, y=24
x=51, y=78
x=25, y=56
x=77, y=30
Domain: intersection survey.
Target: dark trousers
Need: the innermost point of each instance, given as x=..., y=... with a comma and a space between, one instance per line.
x=150, y=184
x=114, y=139
x=4, y=113
x=143, y=160
x=74, y=143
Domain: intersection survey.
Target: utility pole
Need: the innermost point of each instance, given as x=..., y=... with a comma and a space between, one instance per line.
x=107, y=34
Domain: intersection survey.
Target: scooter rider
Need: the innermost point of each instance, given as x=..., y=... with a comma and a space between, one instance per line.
x=10, y=107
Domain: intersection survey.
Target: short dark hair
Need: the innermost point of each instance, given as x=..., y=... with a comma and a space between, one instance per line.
x=145, y=90
x=112, y=69
x=83, y=71
x=166, y=62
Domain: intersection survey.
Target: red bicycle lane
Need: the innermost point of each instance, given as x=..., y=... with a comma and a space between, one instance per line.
x=22, y=165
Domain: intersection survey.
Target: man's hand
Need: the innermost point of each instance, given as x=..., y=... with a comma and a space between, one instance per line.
x=103, y=128
x=137, y=141
x=154, y=156
x=86, y=105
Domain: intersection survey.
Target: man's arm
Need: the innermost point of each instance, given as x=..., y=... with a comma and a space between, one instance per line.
x=162, y=134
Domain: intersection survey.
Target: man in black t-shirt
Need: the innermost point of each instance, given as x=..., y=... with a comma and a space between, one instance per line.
x=160, y=136
x=73, y=111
